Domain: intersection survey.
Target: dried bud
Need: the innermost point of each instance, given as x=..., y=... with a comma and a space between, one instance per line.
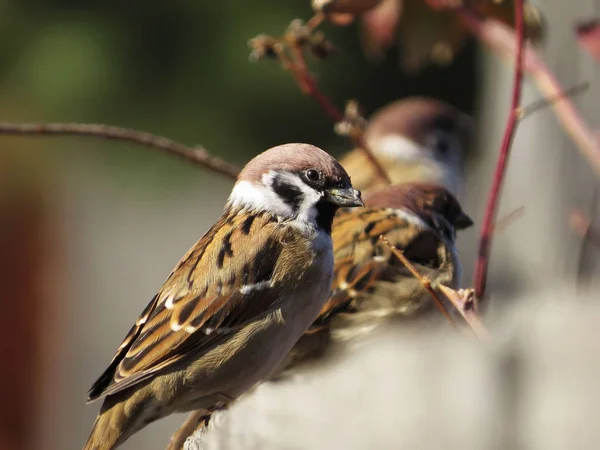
x=320, y=46
x=263, y=46
x=354, y=123
x=298, y=32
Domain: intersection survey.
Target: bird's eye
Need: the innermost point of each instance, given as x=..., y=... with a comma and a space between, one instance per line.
x=312, y=175
x=442, y=145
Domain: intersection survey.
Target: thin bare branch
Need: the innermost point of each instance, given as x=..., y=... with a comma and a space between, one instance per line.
x=508, y=219
x=464, y=302
x=196, y=155
x=547, y=102
x=294, y=41
x=485, y=244
x=424, y=281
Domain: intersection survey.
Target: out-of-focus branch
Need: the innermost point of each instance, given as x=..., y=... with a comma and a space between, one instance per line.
x=289, y=51
x=508, y=219
x=485, y=244
x=424, y=281
x=502, y=40
x=464, y=302
x=196, y=155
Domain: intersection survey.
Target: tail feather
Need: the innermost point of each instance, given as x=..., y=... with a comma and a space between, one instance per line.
x=119, y=418
x=107, y=432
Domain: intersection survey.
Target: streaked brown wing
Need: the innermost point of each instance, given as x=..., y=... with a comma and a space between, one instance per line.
x=361, y=258
x=225, y=280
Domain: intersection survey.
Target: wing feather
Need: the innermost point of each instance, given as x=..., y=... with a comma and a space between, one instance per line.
x=202, y=299
x=361, y=259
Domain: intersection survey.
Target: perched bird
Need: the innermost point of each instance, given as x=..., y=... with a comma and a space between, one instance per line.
x=416, y=139
x=371, y=286
x=237, y=302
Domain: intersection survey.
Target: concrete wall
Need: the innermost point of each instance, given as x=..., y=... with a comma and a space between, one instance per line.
x=535, y=386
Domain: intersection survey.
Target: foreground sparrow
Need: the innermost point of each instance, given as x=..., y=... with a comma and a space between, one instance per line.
x=237, y=301
x=416, y=139
x=371, y=286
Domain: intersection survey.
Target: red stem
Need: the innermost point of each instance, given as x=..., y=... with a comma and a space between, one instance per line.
x=485, y=245
x=309, y=86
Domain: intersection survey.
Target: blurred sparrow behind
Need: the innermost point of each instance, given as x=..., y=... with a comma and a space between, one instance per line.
x=237, y=301
x=371, y=286
x=417, y=139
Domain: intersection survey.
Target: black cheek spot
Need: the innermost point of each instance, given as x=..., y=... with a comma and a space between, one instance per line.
x=290, y=194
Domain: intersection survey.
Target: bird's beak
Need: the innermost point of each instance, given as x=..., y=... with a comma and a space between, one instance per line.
x=344, y=197
x=463, y=221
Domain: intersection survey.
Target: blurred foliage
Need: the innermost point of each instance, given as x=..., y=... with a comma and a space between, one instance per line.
x=181, y=69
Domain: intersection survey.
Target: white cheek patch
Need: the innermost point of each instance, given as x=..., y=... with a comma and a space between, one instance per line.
x=258, y=197
x=400, y=147
x=408, y=216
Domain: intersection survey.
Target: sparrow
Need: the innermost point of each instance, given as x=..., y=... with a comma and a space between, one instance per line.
x=415, y=139
x=371, y=286
x=236, y=303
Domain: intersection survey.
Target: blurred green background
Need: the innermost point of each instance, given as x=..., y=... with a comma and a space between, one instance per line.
x=181, y=69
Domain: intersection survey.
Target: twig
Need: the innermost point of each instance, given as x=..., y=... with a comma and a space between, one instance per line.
x=485, y=244
x=502, y=40
x=308, y=85
x=465, y=304
x=503, y=222
x=196, y=155
x=424, y=281
x=547, y=102
x=315, y=21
